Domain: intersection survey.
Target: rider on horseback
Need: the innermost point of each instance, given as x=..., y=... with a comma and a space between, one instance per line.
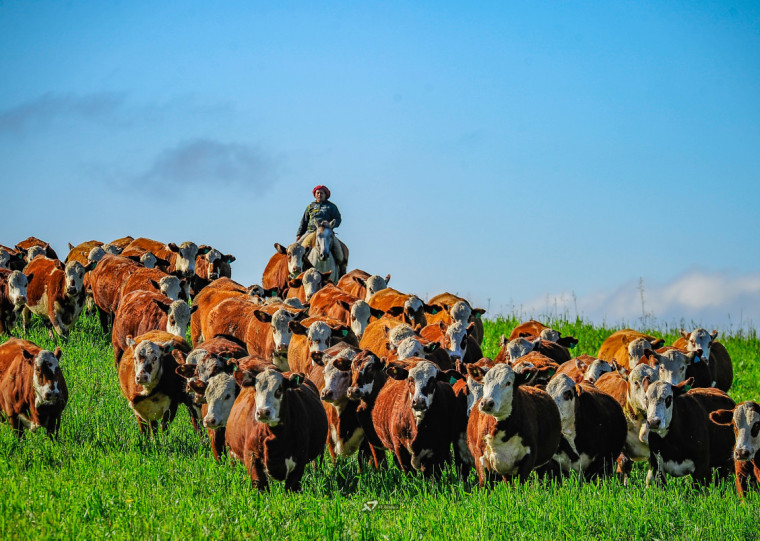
x=318, y=211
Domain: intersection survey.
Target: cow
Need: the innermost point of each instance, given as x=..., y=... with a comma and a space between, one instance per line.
x=615, y=346
x=210, y=266
x=307, y=284
x=415, y=346
x=315, y=334
x=407, y=308
x=454, y=309
x=361, y=284
x=206, y=300
x=511, y=350
x=284, y=265
x=744, y=420
x=457, y=340
x=418, y=417
x=33, y=391
x=155, y=280
x=678, y=431
x=81, y=252
x=30, y=242
x=593, y=428
x=13, y=286
x=514, y=428
x=143, y=311
x=377, y=334
x=181, y=258
x=55, y=293
x=121, y=243
x=535, y=368
x=331, y=301
x=11, y=259
x=674, y=366
x=586, y=368
x=149, y=381
x=276, y=426
x=714, y=355
x=537, y=329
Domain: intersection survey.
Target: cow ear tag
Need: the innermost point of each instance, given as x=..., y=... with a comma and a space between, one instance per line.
x=687, y=388
x=452, y=380
x=345, y=332
x=697, y=359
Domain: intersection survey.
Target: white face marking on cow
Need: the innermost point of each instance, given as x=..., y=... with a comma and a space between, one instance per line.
x=747, y=428
x=374, y=284
x=475, y=394
x=270, y=390
x=549, y=334
x=17, y=284
x=148, y=365
x=562, y=389
x=413, y=306
x=214, y=259
x=294, y=302
x=659, y=397
x=280, y=330
x=700, y=339
x=422, y=385
x=46, y=391
x=295, y=253
x=170, y=286
x=148, y=260
x=290, y=465
x=178, y=318
x=360, y=316
x=5, y=258
x=312, y=282
x=74, y=273
x=318, y=336
x=337, y=382
x=636, y=351
x=409, y=347
x=111, y=249
x=96, y=254
x=456, y=340
x=596, y=370
x=185, y=261
x=398, y=334
x=461, y=311
x=519, y=347
x=498, y=390
x=636, y=393
x=672, y=366
x=221, y=392
x=34, y=251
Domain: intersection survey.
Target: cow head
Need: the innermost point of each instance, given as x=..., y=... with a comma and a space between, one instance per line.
x=597, y=369
x=398, y=334
x=5, y=258
x=178, y=318
x=148, y=260
x=637, y=351
x=218, y=263
x=475, y=373
x=373, y=284
x=636, y=395
x=312, y=281
x=295, y=253
x=17, y=284
x=111, y=249
x=672, y=364
x=415, y=310
x=563, y=390
x=96, y=254
x=337, y=375
x=745, y=419
x=34, y=251
x=48, y=378
x=456, y=338
x=422, y=380
x=699, y=339
x=499, y=384
x=409, y=347
x=519, y=347
x=184, y=263
x=271, y=388
x=74, y=276
x=659, y=400
x=221, y=392
x=549, y=334
x=367, y=375
x=170, y=286
x=281, y=333
x=148, y=362
x=360, y=314
x=461, y=311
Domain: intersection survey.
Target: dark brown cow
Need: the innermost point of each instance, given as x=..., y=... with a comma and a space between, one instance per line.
x=714, y=355
x=55, y=293
x=13, y=286
x=149, y=381
x=143, y=311
x=11, y=259
x=418, y=417
x=744, y=420
x=514, y=428
x=407, y=308
x=593, y=428
x=33, y=392
x=361, y=284
x=24, y=246
x=277, y=425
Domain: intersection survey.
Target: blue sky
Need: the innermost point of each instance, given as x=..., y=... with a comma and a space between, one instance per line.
x=542, y=156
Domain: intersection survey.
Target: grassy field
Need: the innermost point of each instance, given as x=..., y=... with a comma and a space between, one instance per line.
x=101, y=479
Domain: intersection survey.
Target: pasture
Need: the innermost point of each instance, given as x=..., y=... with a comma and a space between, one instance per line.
x=102, y=479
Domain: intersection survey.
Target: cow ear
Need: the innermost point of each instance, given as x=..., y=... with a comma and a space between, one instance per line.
x=340, y=332
x=204, y=249
x=162, y=306
x=193, y=308
x=567, y=342
x=228, y=258
x=280, y=248
x=714, y=334
x=684, y=334
x=186, y=371
x=359, y=281
x=449, y=376
x=296, y=327
x=343, y=304
x=27, y=354
x=71, y=247
x=198, y=386
x=173, y=247
x=645, y=383
x=135, y=258
x=431, y=347
x=375, y=312
x=432, y=308
x=478, y=312
x=29, y=278
x=91, y=266
x=295, y=282
x=318, y=357
x=262, y=316
x=395, y=311
x=654, y=355
x=245, y=378
x=179, y=356
x=57, y=353
x=657, y=343
x=155, y=284
x=503, y=341
x=130, y=341
x=476, y=372
x=344, y=365
x=683, y=387
x=303, y=314
x=294, y=380
x=325, y=275
x=167, y=347
x=722, y=417
x=396, y=371
x=524, y=377
x=387, y=278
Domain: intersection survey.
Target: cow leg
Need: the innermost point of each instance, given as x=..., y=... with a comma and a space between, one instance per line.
x=624, y=467
x=26, y=316
x=526, y=466
x=403, y=458
x=744, y=476
x=104, y=319
x=293, y=481
x=218, y=441
x=258, y=475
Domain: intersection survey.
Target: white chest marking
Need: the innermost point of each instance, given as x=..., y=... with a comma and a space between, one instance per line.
x=290, y=465
x=504, y=456
x=153, y=408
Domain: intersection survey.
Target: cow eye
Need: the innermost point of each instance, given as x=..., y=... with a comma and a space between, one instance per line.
x=278, y=393
x=668, y=401
x=755, y=429
x=508, y=384
x=227, y=396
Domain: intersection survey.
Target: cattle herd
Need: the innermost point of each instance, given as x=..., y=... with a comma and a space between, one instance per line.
x=306, y=360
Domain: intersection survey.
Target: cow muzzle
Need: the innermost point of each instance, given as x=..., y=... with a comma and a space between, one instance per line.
x=326, y=395
x=20, y=301
x=486, y=405
x=419, y=404
x=210, y=422
x=71, y=291
x=742, y=454
x=354, y=394
x=142, y=378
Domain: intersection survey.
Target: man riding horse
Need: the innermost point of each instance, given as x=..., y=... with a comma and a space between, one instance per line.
x=319, y=212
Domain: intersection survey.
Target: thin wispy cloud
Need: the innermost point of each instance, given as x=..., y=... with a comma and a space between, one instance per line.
x=40, y=112
x=710, y=299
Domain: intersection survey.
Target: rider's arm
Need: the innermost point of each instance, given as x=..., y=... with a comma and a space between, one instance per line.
x=304, y=222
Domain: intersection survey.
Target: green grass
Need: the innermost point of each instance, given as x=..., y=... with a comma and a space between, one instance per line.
x=101, y=479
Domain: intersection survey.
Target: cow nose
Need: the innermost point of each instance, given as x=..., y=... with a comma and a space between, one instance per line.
x=742, y=454
x=419, y=404
x=262, y=414
x=141, y=377
x=326, y=394
x=654, y=423
x=486, y=404
x=209, y=421
x=353, y=393
x=72, y=290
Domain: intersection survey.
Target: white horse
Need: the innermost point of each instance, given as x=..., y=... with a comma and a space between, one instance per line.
x=320, y=255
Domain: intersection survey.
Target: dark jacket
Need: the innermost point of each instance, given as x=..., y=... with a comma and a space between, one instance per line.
x=317, y=212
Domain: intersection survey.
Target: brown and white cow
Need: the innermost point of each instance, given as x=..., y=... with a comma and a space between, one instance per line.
x=418, y=417
x=593, y=428
x=81, y=252
x=331, y=301
x=13, y=286
x=744, y=420
x=55, y=293
x=210, y=266
x=512, y=350
x=514, y=428
x=276, y=426
x=307, y=284
x=31, y=242
x=315, y=334
x=615, y=346
x=536, y=329
x=218, y=291
x=361, y=284
x=457, y=340
x=154, y=280
x=284, y=265
x=181, y=258
x=33, y=391
x=455, y=308
x=407, y=308
x=714, y=355
x=674, y=366
x=149, y=381
x=143, y=311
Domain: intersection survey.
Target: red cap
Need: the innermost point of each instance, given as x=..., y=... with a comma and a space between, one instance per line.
x=320, y=187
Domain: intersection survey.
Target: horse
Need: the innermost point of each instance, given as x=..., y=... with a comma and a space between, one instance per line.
x=320, y=254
